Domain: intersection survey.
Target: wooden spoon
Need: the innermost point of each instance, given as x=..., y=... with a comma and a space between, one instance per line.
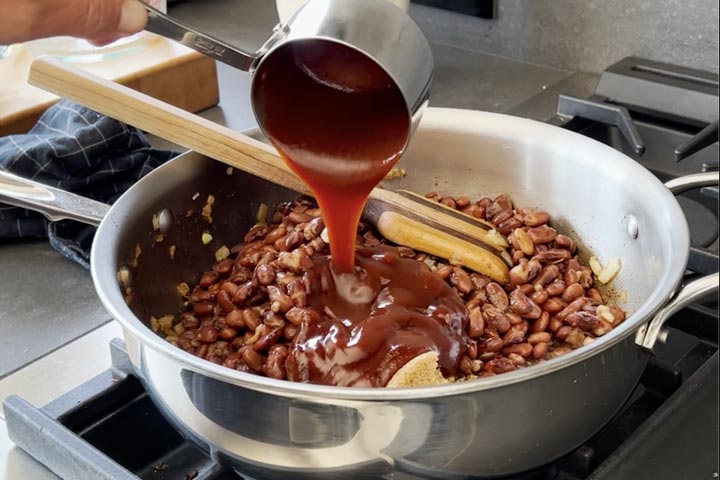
x=402, y=217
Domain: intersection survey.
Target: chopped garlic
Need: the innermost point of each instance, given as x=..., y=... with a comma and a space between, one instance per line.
x=222, y=253
x=154, y=325
x=207, y=209
x=182, y=288
x=165, y=322
x=229, y=171
x=325, y=236
x=395, y=173
x=196, y=196
x=206, y=237
x=610, y=271
x=595, y=265
x=261, y=217
x=171, y=251
x=155, y=222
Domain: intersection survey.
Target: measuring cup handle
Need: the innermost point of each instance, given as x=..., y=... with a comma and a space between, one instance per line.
x=168, y=27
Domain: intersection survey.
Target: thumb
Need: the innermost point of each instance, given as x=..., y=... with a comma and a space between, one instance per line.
x=102, y=21
x=99, y=21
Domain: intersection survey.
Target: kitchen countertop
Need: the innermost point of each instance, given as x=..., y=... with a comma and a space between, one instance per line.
x=47, y=301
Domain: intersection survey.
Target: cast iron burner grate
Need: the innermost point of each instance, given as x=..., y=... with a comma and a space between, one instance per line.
x=109, y=429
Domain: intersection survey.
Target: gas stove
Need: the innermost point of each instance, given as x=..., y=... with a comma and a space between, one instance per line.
x=664, y=117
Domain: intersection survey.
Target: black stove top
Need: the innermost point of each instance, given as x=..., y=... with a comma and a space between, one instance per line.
x=109, y=428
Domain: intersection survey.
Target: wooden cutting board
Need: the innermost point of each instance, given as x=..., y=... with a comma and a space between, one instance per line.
x=150, y=64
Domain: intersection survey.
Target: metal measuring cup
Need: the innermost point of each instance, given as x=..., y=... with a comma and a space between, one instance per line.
x=378, y=29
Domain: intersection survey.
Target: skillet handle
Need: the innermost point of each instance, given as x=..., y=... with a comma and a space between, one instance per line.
x=648, y=335
x=55, y=204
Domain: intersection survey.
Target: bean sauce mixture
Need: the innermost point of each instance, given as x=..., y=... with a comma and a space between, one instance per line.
x=340, y=123
x=281, y=305
x=260, y=304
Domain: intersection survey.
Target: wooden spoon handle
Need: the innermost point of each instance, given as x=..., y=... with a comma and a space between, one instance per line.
x=164, y=120
x=413, y=224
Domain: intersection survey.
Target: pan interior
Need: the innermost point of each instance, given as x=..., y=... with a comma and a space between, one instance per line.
x=591, y=191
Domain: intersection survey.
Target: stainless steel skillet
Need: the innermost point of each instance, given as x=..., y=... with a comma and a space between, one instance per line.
x=497, y=426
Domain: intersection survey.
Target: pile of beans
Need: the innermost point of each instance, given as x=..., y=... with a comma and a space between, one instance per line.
x=245, y=311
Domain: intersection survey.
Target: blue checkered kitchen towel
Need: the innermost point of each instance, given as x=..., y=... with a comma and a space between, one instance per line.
x=78, y=150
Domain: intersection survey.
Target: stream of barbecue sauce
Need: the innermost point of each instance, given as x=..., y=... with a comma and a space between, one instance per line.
x=340, y=123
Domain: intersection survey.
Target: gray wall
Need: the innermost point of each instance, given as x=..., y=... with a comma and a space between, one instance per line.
x=585, y=35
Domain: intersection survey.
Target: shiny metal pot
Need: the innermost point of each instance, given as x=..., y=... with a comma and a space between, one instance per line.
x=373, y=27
x=494, y=426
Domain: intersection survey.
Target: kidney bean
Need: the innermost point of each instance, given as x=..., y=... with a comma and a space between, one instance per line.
x=299, y=217
x=524, y=349
x=514, y=318
x=553, y=305
x=472, y=350
x=268, y=340
x=279, y=302
x=203, y=308
x=508, y=225
x=497, y=296
x=495, y=318
x=207, y=279
x=523, y=306
x=476, y=324
x=539, y=297
x=500, y=365
x=594, y=295
x=202, y=350
x=552, y=256
x=540, y=351
x=536, y=218
x=519, y=274
x=501, y=217
x=234, y=319
x=444, y=271
x=275, y=234
x=265, y=274
x=232, y=361
x=461, y=280
x=224, y=267
x=489, y=345
x=225, y=301
x=572, y=292
x=207, y=334
x=538, y=337
x=560, y=351
x=574, y=306
x=563, y=241
x=541, y=324
x=556, y=288
x=274, y=366
x=253, y=359
x=251, y=319
x=554, y=324
x=516, y=334
x=227, y=333
x=542, y=234
x=448, y=202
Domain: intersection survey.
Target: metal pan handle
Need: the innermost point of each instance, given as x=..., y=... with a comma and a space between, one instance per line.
x=649, y=334
x=55, y=204
x=168, y=27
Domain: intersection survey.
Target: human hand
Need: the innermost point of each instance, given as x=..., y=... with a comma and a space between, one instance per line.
x=99, y=21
